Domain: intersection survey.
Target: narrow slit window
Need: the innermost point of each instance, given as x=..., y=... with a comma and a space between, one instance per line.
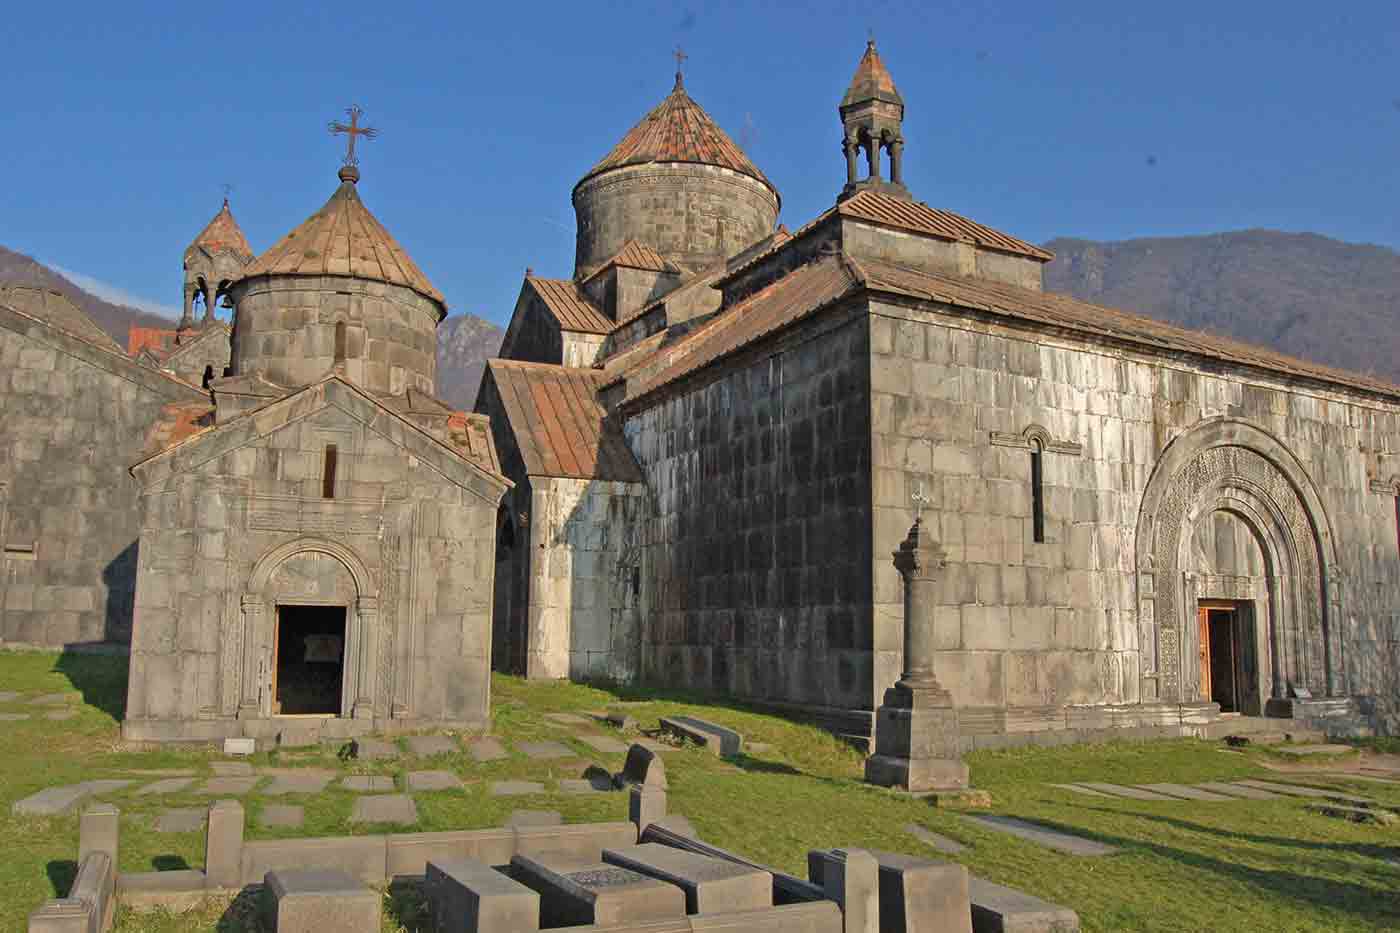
x=1037, y=495
x=328, y=473
x=208, y=376
x=340, y=341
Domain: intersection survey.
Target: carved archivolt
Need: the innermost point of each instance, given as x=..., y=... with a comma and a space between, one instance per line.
x=1234, y=467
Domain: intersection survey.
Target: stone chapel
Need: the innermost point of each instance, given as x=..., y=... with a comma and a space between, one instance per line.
x=719, y=431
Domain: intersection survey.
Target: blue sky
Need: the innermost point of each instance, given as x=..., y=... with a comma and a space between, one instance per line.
x=1107, y=120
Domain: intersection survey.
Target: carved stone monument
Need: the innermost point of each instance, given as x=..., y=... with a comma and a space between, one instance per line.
x=916, y=728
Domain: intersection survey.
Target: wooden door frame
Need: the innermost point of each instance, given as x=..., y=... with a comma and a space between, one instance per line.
x=1237, y=609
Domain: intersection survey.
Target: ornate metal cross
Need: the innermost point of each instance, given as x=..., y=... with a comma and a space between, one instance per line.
x=680, y=59
x=920, y=499
x=352, y=129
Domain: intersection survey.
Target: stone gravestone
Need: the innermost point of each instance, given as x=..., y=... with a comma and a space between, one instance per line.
x=711, y=885
x=916, y=895
x=916, y=728
x=574, y=892
x=316, y=900
x=466, y=895
x=643, y=766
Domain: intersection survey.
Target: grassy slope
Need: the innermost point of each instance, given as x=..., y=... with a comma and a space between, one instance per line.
x=1184, y=866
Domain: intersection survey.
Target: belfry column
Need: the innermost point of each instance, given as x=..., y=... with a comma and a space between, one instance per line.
x=916, y=728
x=851, y=148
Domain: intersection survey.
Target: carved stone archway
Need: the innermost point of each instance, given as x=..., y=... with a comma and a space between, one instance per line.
x=1232, y=466
x=361, y=628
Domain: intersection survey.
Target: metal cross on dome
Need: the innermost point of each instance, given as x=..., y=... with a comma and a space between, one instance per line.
x=352, y=129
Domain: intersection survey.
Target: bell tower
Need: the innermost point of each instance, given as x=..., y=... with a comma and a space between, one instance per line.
x=871, y=113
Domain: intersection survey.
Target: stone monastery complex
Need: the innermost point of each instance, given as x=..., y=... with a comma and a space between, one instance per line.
x=691, y=466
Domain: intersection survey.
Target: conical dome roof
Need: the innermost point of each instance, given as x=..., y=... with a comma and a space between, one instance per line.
x=871, y=81
x=223, y=234
x=344, y=238
x=678, y=130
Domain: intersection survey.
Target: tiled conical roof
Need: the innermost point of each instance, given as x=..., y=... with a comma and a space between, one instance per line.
x=223, y=233
x=344, y=238
x=678, y=130
x=871, y=81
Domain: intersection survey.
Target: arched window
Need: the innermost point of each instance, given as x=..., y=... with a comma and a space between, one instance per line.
x=1037, y=492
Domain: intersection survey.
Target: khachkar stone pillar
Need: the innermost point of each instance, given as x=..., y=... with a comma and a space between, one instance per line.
x=916, y=728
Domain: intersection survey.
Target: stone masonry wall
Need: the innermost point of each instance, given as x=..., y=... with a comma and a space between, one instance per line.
x=586, y=542
x=423, y=546
x=759, y=559
x=69, y=513
x=1037, y=626
x=286, y=327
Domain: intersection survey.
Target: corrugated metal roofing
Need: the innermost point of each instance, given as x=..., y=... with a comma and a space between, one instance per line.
x=569, y=305
x=559, y=425
x=678, y=130
x=344, y=238
x=915, y=215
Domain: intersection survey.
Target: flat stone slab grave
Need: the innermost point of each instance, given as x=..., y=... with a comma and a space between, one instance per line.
x=574, y=892
x=305, y=781
x=1086, y=791
x=1033, y=832
x=385, y=808
x=8, y=696
x=930, y=838
x=433, y=780
x=182, y=820
x=363, y=783
x=1239, y=790
x=374, y=749
x=1118, y=790
x=996, y=907
x=166, y=786
x=567, y=719
x=55, y=800
x=231, y=768
x=1184, y=792
x=281, y=815
x=534, y=818
x=545, y=750
x=486, y=749
x=595, y=782
x=425, y=746
x=13, y=717
x=464, y=894
x=515, y=788
x=1303, y=751
x=717, y=739
x=710, y=885
x=604, y=743
x=229, y=785
x=317, y=900
x=1298, y=790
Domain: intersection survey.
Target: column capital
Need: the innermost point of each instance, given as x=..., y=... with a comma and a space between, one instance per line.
x=252, y=602
x=919, y=555
x=367, y=604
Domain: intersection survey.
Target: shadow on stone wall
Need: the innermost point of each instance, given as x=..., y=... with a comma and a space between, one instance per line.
x=100, y=678
x=61, y=874
x=120, y=578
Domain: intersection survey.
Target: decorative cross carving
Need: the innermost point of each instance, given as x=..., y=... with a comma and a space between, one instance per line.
x=920, y=499
x=352, y=129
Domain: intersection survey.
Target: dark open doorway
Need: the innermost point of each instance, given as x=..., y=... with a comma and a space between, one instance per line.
x=1229, y=672
x=309, y=660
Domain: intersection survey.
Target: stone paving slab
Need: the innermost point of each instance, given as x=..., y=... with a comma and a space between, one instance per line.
x=1086, y=791
x=231, y=768
x=1118, y=790
x=166, y=786
x=229, y=785
x=425, y=746
x=1240, y=791
x=545, y=750
x=433, y=780
x=299, y=781
x=534, y=818
x=515, y=788
x=373, y=749
x=282, y=815
x=604, y=743
x=60, y=714
x=51, y=801
x=13, y=717
x=1294, y=790
x=1184, y=792
x=181, y=820
x=930, y=838
x=487, y=749
x=385, y=808
x=567, y=719
x=1032, y=832
x=368, y=782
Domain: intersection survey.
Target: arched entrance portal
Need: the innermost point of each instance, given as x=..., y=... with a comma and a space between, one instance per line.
x=1234, y=554
x=508, y=638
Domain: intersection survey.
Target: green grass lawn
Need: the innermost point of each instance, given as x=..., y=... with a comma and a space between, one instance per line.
x=1183, y=866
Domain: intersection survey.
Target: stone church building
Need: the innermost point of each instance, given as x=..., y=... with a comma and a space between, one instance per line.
x=719, y=431
x=690, y=466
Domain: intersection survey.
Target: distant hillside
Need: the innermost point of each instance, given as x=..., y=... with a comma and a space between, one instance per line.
x=465, y=341
x=115, y=319
x=1302, y=294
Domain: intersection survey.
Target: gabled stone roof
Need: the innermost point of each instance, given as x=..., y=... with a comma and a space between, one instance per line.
x=871, y=81
x=678, y=130
x=344, y=238
x=56, y=309
x=222, y=234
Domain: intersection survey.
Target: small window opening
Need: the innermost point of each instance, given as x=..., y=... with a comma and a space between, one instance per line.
x=340, y=341
x=328, y=473
x=208, y=376
x=1037, y=494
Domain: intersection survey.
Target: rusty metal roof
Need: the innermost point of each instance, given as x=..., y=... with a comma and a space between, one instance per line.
x=635, y=255
x=1062, y=311
x=344, y=238
x=915, y=215
x=223, y=234
x=559, y=425
x=871, y=81
x=470, y=435
x=781, y=303
x=569, y=305
x=678, y=130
